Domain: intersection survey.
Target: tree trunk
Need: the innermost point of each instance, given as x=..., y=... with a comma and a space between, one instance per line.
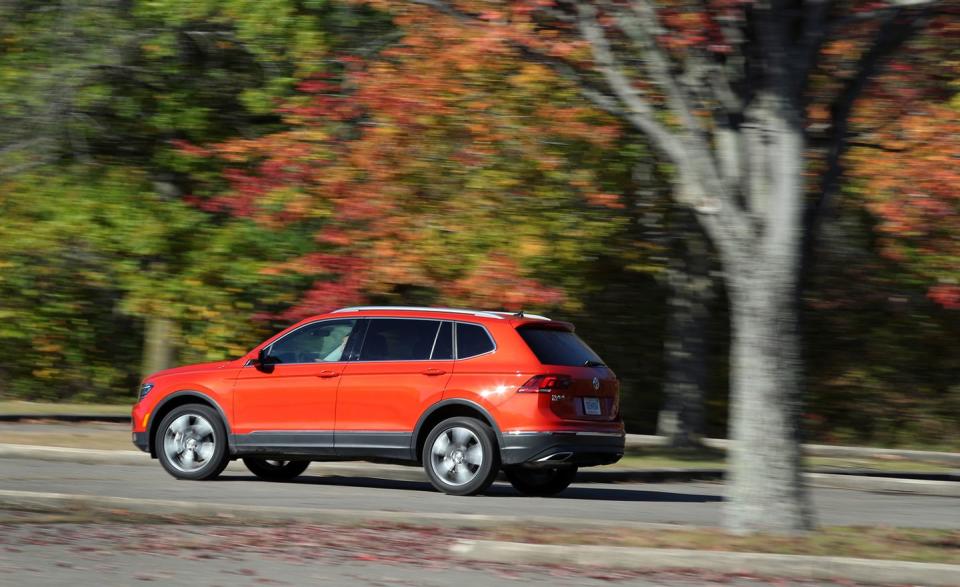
x=681, y=417
x=158, y=344
x=765, y=490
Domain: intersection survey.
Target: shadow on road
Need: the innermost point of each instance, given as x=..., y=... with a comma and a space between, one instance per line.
x=496, y=490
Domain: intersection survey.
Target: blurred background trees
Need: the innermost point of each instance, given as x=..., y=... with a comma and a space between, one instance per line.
x=188, y=178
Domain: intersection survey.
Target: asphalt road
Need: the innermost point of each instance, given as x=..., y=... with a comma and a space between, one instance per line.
x=683, y=503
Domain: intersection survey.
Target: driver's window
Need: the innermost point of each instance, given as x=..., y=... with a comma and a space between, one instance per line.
x=320, y=342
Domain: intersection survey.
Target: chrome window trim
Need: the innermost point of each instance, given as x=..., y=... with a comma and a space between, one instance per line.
x=358, y=360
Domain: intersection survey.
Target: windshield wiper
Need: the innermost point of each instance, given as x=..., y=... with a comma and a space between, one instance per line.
x=589, y=363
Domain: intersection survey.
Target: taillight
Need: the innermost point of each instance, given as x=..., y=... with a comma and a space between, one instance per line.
x=545, y=384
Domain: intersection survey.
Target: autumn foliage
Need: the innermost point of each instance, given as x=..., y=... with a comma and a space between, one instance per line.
x=402, y=157
x=905, y=160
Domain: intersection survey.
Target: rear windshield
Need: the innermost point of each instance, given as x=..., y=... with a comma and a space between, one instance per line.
x=558, y=347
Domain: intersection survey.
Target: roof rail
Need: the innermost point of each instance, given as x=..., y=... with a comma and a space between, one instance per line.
x=478, y=313
x=524, y=315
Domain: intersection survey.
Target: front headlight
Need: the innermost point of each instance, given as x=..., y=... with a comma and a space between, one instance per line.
x=144, y=390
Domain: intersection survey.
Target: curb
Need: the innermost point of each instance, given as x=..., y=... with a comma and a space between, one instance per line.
x=638, y=442
x=409, y=473
x=67, y=418
x=120, y=508
x=885, y=484
x=775, y=565
x=84, y=456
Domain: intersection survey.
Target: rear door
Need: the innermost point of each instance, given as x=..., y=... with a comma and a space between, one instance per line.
x=590, y=390
x=403, y=365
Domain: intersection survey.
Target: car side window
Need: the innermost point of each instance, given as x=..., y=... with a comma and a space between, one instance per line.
x=399, y=339
x=472, y=340
x=443, y=347
x=320, y=342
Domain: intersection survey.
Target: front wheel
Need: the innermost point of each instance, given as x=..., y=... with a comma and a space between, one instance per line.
x=531, y=481
x=192, y=442
x=275, y=470
x=461, y=456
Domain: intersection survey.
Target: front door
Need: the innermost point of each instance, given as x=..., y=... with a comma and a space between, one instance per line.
x=290, y=402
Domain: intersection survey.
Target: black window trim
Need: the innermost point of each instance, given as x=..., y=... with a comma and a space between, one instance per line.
x=456, y=348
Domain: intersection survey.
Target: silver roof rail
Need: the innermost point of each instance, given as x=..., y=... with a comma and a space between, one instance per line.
x=525, y=315
x=479, y=313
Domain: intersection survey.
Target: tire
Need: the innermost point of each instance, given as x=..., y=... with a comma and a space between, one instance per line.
x=542, y=482
x=191, y=443
x=275, y=470
x=461, y=456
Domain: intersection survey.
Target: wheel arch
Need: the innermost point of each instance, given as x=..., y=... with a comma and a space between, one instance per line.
x=448, y=409
x=177, y=399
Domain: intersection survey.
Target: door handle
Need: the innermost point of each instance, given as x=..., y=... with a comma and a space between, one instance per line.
x=433, y=372
x=327, y=374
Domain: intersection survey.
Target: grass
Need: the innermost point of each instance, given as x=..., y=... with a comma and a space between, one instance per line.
x=90, y=435
x=45, y=408
x=922, y=545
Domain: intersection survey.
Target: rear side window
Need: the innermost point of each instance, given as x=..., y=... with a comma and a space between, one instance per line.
x=472, y=340
x=443, y=348
x=390, y=339
x=558, y=347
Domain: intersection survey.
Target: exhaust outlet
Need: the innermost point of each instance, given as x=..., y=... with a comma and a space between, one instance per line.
x=555, y=457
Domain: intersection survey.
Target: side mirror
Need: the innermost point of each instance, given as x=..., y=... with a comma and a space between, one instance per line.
x=262, y=362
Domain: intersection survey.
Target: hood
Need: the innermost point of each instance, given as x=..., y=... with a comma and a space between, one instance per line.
x=196, y=368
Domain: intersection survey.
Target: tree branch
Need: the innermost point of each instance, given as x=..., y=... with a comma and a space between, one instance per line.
x=642, y=26
x=893, y=33
x=598, y=96
x=638, y=111
x=815, y=32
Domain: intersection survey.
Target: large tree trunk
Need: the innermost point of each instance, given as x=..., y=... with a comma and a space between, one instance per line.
x=681, y=417
x=765, y=491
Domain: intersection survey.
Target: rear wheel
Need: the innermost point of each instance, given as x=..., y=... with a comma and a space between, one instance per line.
x=192, y=442
x=461, y=456
x=537, y=481
x=275, y=470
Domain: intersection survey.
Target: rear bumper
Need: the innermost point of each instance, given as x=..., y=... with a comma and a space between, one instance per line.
x=140, y=441
x=583, y=449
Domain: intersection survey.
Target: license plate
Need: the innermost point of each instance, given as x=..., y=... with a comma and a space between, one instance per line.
x=591, y=406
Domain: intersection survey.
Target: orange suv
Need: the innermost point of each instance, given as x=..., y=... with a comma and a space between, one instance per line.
x=465, y=393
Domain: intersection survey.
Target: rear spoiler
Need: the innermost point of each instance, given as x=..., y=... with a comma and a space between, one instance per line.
x=543, y=325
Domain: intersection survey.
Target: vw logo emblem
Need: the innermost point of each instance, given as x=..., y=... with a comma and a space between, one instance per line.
x=596, y=383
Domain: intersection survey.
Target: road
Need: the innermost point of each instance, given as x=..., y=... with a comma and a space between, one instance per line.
x=683, y=503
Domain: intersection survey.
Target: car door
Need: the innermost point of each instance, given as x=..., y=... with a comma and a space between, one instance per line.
x=290, y=401
x=403, y=366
